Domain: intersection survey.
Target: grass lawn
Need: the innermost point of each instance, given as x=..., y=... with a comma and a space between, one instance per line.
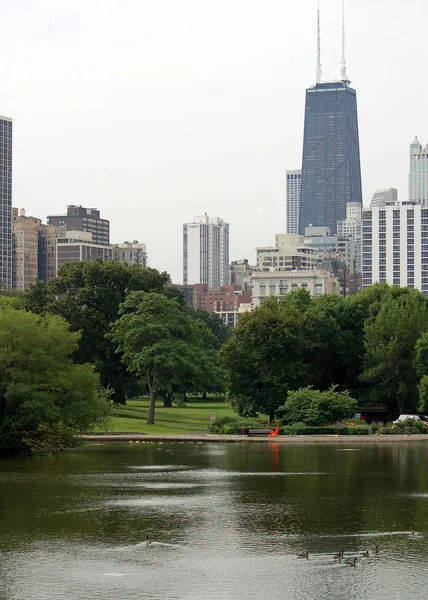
x=193, y=418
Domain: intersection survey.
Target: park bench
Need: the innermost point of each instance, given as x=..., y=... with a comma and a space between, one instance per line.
x=265, y=431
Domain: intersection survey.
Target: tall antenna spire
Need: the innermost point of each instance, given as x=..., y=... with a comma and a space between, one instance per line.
x=343, y=75
x=319, y=69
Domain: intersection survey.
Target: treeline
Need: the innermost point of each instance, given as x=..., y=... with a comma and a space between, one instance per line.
x=100, y=332
x=103, y=332
x=373, y=345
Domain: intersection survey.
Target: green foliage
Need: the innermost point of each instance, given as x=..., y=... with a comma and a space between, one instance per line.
x=301, y=429
x=265, y=356
x=88, y=296
x=163, y=345
x=423, y=395
x=390, y=339
x=53, y=437
x=313, y=407
x=39, y=383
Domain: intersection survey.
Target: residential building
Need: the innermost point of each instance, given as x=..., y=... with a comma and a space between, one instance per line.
x=77, y=246
x=352, y=228
x=418, y=177
x=79, y=218
x=333, y=246
x=240, y=273
x=206, y=251
x=278, y=284
x=5, y=203
x=331, y=172
x=383, y=197
x=231, y=317
x=289, y=254
x=395, y=245
x=220, y=299
x=293, y=186
x=47, y=252
x=25, y=249
x=132, y=253
x=34, y=250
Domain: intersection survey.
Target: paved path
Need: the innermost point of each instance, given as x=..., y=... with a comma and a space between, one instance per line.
x=281, y=439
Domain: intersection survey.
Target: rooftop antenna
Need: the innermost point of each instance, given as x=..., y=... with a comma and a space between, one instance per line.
x=343, y=75
x=319, y=69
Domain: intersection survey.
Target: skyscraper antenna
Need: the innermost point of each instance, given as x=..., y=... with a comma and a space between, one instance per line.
x=343, y=74
x=319, y=69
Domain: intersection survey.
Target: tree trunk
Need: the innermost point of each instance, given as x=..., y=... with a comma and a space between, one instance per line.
x=167, y=401
x=204, y=395
x=184, y=395
x=271, y=418
x=151, y=415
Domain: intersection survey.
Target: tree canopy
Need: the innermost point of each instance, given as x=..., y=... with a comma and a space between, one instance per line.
x=88, y=296
x=163, y=345
x=39, y=384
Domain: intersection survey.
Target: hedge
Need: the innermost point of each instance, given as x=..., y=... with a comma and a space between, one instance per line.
x=324, y=430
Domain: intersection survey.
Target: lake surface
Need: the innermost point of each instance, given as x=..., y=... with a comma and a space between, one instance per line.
x=226, y=522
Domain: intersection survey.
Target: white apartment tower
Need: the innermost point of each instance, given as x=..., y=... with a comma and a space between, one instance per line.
x=418, y=177
x=395, y=245
x=206, y=251
x=294, y=179
x=351, y=228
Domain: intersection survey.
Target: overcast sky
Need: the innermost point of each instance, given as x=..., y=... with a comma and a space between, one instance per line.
x=155, y=111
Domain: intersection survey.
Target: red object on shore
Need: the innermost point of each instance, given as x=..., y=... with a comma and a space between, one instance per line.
x=275, y=432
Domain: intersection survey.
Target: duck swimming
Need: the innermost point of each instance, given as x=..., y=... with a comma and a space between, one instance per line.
x=339, y=555
x=148, y=540
x=366, y=554
x=353, y=562
x=303, y=555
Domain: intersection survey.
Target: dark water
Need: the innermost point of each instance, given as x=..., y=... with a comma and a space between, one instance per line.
x=226, y=522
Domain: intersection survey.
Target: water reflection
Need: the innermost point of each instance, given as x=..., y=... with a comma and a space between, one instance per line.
x=227, y=522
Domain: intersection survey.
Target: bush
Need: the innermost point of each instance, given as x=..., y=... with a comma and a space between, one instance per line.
x=218, y=425
x=298, y=429
x=315, y=408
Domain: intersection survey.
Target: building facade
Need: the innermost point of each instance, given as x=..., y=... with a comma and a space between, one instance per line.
x=331, y=172
x=132, y=253
x=5, y=203
x=352, y=229
x=395, y=245
x=78, y=246
x=206, y=251
x=316, y=281
x=288, y=254
x=79, y=218
x=293, y=186
x=418, y=176
x=382, y=197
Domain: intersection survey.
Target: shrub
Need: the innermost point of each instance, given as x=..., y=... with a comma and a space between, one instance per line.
x=298, y=429
x=313, y=407
x=218, y=425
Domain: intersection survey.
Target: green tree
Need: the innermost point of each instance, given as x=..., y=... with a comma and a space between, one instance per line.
x=88, y=296
x=314, y=407
x=39, y=384
x=266, y=355
x=162, y=344
x=390, y=340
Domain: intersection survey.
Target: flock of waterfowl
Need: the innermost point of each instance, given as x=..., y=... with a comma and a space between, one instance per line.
x=353, y=562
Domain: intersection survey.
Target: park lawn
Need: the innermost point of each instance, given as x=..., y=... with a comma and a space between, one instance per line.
x=193, y=418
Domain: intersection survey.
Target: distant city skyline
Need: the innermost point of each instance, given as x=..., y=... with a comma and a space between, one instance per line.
x=137, y=109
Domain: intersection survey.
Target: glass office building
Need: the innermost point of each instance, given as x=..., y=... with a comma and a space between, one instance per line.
x=5, y=203
x=331, y=173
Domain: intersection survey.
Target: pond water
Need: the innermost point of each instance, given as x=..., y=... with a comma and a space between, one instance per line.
x=226, y=522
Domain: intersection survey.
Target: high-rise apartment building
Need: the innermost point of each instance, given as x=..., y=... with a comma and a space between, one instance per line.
x=206, y=251
x=79, y=218
x=351, y=228
x=294, y=179
x=395, y=245
x=5, y=203
x=418, y=177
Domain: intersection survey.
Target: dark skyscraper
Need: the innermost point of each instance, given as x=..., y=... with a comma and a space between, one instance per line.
x=331, y=173
x=5, y=203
